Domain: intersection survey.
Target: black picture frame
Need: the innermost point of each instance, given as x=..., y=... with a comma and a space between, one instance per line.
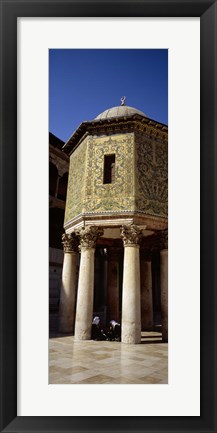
x=10, y=11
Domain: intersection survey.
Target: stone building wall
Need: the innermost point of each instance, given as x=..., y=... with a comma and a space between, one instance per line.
x=59, y=161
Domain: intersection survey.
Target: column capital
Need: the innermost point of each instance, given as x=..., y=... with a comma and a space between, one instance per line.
x=70, y=242
x=88, y=236
x=164, y=239
x=131, y=235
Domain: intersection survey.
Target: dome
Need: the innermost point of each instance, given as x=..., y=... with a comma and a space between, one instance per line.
x=119, y=111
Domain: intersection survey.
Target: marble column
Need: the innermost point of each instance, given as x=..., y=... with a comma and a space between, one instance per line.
x=68, y=286
x=131, y=301
x=84, y=310
x=113, y=284
x=147, y=320
x=164, y=285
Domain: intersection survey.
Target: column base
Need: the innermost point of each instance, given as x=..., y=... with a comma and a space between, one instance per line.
x=81, y=338
x=82, y=335
x=131, y=334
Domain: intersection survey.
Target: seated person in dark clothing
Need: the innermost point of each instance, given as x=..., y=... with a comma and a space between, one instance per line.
x=114, y=331
x=97, y=333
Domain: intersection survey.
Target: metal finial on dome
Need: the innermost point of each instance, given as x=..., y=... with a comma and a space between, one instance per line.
x=123, y=99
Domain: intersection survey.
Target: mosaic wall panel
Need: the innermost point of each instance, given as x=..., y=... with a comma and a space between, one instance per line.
x=117, y=196
x=151, y=175
x=141, y=176
x=76, y=182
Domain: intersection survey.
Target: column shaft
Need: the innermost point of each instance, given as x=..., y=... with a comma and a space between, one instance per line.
x=146, y=296
x=164, y=293
x=131, y=307
x=67, y=293
x=84, y=310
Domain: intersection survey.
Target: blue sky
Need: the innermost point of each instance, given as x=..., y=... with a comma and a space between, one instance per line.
x=85, y=82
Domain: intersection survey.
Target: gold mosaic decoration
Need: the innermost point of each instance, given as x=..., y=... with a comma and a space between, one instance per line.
x=116, y=196
x=141, y=176
x=76, y=182
x=151, y=175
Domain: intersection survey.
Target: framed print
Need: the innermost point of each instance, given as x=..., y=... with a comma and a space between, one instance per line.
x=38, y=37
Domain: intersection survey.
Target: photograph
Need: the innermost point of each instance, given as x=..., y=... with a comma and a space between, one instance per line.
x=108, y=216
x=101, y=330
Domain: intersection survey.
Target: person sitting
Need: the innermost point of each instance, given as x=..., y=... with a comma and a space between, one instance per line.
x=97, y=333
x=114, y=331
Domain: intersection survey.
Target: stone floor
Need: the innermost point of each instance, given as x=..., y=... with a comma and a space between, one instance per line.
x=106, y=362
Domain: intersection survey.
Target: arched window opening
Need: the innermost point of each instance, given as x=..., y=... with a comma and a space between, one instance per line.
x=53, y=175
x=63, y=187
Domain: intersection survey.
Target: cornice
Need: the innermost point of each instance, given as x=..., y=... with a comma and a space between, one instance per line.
x=125, y=124
x=117, y=219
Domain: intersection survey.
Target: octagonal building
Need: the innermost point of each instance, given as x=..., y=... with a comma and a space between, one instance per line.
x=116, y=216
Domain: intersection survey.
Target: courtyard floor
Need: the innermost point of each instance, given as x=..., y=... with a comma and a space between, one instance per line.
x=108, y=362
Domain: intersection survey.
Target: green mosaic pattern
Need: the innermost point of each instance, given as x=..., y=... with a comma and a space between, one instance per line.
x=141, y=176
x=116, y=196
x=151, y=175
x=76, y=182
